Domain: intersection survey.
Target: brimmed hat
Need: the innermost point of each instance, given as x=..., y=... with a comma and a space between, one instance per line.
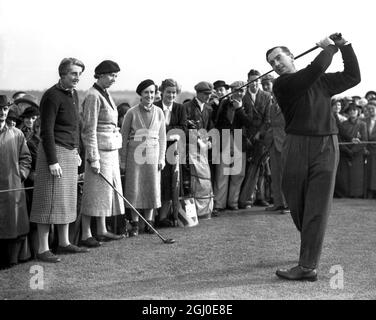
x=352, y=106
x=144, y=84
x=4, y=101
x=107, y=66
x=370, y=92
x=220, y=83
x=204, y=86
x=28, y=98
x=30, y=112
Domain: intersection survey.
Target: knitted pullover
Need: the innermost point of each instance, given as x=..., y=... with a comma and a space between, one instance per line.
x=304, y=96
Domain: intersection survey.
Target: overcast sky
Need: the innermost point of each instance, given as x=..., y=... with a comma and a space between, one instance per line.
x=188, y=40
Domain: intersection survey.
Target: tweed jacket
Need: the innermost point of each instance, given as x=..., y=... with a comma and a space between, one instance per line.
x=99, y=124
x=276, y=132
x=204, y=118
x=259, y=111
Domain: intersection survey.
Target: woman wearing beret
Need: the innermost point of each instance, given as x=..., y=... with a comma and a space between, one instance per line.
x=102, y=140
x=143, y=153
x=55, y=191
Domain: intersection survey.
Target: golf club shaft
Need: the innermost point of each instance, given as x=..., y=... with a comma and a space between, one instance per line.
x=132, y=207
x=263, y=75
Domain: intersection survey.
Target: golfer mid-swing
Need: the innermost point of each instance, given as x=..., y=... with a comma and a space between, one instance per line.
x=310, y=152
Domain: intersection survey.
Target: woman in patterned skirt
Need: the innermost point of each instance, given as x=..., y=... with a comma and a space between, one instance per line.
x=55, y=186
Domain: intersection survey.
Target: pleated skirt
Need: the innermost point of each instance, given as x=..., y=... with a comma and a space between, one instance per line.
x=99, y=199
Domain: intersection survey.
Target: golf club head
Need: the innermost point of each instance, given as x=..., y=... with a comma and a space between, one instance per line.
x=169, y=241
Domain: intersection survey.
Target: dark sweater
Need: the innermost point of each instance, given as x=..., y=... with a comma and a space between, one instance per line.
x=59, y=121
x=304, y=96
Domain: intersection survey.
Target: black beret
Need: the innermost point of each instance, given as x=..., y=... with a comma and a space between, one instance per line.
x=143, y=85
x=107, y=66
x=30, y=112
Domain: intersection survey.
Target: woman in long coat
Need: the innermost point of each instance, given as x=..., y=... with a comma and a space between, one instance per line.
x=15, y=162
x=55, y=187
x=350, y=172
x=143, y=153
x=102, y=141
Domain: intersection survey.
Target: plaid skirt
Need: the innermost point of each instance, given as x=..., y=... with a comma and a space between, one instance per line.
x=55, y=199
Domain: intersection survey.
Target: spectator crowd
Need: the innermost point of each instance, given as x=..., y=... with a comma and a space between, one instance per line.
x=221, y=148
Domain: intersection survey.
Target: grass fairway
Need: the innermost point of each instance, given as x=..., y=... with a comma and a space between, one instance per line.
x=233, y=256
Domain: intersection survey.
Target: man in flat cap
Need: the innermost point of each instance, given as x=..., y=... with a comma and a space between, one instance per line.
x=199, y=116
x=230, y=171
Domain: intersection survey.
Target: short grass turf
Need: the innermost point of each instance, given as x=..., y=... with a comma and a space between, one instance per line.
x=233, y=256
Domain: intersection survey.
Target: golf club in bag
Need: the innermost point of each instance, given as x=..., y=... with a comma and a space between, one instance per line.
x=334, y=36
x=168, y=241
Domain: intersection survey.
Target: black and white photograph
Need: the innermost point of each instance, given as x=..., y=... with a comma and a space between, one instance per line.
x=191, y=157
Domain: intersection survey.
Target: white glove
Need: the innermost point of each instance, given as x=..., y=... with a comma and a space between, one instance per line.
x=325, y=42
x=95, y=166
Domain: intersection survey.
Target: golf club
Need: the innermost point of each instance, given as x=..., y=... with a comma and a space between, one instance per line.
x=168, y=241
x=336, y=36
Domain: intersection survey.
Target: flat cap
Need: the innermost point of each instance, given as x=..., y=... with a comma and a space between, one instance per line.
x=204, y=86
x=237, y=84
x=107, y=66
x=267, y=77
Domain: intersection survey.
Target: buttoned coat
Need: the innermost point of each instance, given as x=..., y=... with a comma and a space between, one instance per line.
x=15, y=163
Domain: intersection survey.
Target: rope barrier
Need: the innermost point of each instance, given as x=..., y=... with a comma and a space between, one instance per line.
x=355, y=143
x=82, y=181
